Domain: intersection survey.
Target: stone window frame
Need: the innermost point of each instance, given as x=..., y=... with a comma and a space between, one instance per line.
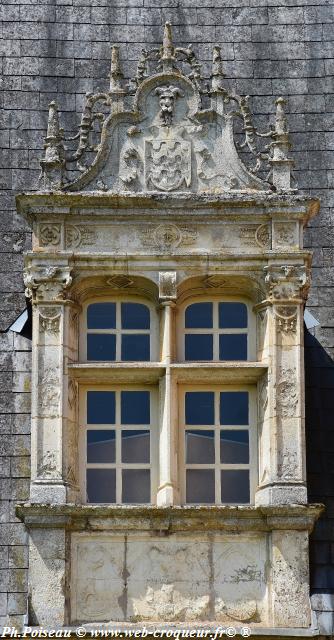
x=83, y=426
x=253, y=438
x=181, y=331
x=119, y=298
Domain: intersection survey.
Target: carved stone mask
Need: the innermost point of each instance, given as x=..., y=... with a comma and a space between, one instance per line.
x=167, y=96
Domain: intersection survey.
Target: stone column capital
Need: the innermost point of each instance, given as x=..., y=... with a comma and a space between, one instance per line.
x=47, y=283
x=286, y=283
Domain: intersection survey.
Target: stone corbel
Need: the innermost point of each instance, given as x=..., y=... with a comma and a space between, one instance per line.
x=46, y=284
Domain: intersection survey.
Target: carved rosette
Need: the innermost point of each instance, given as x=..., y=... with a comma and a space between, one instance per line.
x=168, y=236
x=49, y=234
x=78, y=236
x=47, y=283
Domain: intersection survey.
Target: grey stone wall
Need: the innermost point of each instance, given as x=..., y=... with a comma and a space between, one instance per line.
x=59, y=49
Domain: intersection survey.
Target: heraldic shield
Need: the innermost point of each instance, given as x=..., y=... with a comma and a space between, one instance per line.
x=167, y=164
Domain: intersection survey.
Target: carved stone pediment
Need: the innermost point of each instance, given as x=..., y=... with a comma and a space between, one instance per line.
x=168, y=139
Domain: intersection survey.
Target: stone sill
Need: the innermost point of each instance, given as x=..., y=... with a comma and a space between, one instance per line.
x=243, y=372
x=300, y=205
x=167, y=520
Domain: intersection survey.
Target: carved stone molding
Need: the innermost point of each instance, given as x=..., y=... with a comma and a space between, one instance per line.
x=49, y=320
x=167, y=285
x=168, y=236
x=286, y=317
x=119, y=282
x=47, y=283
x=286, y=282
x=49, y=234
x=78, y=236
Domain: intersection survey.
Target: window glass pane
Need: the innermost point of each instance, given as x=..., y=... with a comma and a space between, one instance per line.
x=199, y=407
x=198, y=347
x=232, y=315
x=101, y=315
x=101, y=407
x=234, y=447
x=200, y=486
x=135, y=316
x=101, y=346
x=233, y=346
x=100, y=445
x=101, y=485
x=135, y=407
x=235, y=486
x=136, y=486
x=199, y=316
x=136, y=446
x=234, y=407
x=135, y=347
x=200, y=447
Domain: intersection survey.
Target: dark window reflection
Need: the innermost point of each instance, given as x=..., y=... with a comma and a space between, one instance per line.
x=100, y=445
x=198, y=347
x=101, y=485
x=136, y=486
x=233, y=346
x=135, y=347
x=101, y=346
x=135, y=316
x=136, y=446
x=101, y=315
x=200, y=447
x=135, y=407
x=199, y=407
x=200, y=486
x=232, y=315
x=234, y=407
x=234, y=447
x=235, y=486
x=101, y=407
x=199, y=316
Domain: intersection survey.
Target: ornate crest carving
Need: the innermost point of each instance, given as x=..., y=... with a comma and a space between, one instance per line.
x=168, y=236
x=167, y=164
x=285, y=234
x=170, y=110
x=49, y=234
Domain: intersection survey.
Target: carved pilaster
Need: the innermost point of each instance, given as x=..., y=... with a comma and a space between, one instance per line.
x=282, y=477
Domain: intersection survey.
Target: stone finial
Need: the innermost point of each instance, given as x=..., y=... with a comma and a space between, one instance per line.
x=217, y=73
x=53, y=162
x=116, y=75
x=280, y=162
x=167, y=51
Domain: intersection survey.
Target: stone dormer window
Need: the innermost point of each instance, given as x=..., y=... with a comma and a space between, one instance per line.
x=168, y=280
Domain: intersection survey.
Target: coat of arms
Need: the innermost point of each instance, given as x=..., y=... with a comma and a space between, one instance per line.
x=167, y=164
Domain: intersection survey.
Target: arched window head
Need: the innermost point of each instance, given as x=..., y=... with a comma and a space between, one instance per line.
x=216, y=330
x=119, y=330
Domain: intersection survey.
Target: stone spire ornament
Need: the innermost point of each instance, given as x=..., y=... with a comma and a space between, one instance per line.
x=167, y=54
x=53, y=163
x=217, y=73
x=280, y=162
x=116, y=75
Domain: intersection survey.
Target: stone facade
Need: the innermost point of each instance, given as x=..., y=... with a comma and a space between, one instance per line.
x=253, y=37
